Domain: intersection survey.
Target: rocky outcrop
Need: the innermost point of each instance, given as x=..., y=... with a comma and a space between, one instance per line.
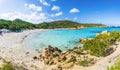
x=83, y=40
x=97, y=34
x=50, y=51
x=103, y=32
x=64, y=60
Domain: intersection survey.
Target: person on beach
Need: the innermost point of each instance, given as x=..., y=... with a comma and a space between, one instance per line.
x=1, y=33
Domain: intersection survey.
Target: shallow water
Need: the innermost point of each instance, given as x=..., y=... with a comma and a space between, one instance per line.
x=63, y=39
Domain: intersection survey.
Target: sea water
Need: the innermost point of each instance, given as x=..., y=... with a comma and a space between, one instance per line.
x=63, y=39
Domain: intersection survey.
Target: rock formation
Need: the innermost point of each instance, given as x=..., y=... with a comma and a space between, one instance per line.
x=63, y=60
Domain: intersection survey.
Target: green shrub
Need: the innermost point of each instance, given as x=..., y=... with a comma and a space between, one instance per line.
x=7, y=66
x=83, y=63
x=116, y=66
x=53, y=55
x=115, y=35
x=79, y=51
x=99, y=45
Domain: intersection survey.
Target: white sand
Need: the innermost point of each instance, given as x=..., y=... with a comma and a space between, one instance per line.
x=12, y=49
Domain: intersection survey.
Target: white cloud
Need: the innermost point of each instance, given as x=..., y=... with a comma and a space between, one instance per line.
x=53, y=0
x=32, y=17
x=57, y=14
x=44, y=3
x=75, y=18
x=56, y=8
x=33, y=7
x=74, y=10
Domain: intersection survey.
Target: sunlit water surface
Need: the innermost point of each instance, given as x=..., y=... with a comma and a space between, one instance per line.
x=63, y=39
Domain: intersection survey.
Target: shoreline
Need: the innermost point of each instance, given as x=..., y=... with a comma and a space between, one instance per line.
x=12, y=48
x=103, y=62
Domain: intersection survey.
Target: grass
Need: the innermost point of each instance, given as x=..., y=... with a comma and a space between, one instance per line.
x=7, y=66
x=79, y=51
x=99, y=45
x=83, y=63
x=116, y=66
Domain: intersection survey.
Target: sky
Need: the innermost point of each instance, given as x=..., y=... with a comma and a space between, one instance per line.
x=84, y=11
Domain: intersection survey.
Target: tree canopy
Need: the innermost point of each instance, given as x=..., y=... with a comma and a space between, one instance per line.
x=19, y=24
x=65, y=24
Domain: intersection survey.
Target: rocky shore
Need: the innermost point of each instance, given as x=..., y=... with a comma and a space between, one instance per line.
x=73, y=60
x=51, y=58
x=66, y=59
x=77, y=58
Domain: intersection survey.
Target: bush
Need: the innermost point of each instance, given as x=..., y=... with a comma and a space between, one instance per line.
x=78, y=51
x=83, y=63
x=86, y=62
x=97, y=47
x=116, y=66
x=115, y=35
x=100, y=44
x=7, y=66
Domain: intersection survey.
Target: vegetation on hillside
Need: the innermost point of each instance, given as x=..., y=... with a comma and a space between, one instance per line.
x=99, y=46
x=65, y=24
x=15, y=25
x=18, y=24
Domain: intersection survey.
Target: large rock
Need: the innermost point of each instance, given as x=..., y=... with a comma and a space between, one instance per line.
x=45, y=52
x=83, y=40
x=50, y=51
x=97, y=34
x=64, y=60
x=104, y=32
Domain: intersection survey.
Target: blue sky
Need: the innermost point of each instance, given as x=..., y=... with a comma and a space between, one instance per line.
x=86, y=11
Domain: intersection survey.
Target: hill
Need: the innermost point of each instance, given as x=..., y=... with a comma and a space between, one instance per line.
x=19, y=24
x=16, y=24
x=66, y=24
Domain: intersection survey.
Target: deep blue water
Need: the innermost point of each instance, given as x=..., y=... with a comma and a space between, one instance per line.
x=63, y=39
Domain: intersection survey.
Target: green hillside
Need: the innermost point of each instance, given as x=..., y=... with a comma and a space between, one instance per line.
x=16, y=24
x=65, y=24
x=19, y=24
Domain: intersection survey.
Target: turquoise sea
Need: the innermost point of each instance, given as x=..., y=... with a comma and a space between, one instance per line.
x=63, y=39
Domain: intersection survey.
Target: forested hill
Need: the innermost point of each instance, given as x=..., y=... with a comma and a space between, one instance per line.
x=66, y=24
x=18, y=24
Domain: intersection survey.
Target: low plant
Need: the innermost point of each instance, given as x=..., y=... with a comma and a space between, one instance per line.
x=7, y=66
x=116, y=66
x=78, y=51
x=99, y=45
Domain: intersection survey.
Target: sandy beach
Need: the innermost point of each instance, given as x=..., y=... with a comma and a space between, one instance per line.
x=12, y=49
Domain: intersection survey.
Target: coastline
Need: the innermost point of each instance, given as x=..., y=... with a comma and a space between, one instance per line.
x=12, y=49
x=103, y=62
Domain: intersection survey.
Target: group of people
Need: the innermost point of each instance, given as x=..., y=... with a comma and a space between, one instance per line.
x=3, y=31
